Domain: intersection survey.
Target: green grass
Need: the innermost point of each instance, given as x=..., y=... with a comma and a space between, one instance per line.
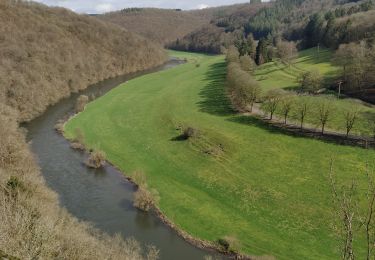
x=267, y=189
x=278, y=75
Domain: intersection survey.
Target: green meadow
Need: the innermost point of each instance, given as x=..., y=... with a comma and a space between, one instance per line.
x=276, y=74
x=238, y=177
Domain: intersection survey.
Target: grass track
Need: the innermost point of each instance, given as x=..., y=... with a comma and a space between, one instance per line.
x=267, y=189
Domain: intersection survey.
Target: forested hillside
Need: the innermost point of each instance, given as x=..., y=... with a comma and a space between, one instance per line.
x=45, y=54
x=165, y=25
x=306, y=22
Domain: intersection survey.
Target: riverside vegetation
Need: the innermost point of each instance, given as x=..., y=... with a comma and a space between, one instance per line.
x=235, y=179
x=47, y=53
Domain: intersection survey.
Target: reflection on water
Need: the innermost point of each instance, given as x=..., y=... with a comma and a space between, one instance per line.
x=103, y=197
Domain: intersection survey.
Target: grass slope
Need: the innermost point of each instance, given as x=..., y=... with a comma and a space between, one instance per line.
x=278, y=75
x=274, y=75
x=267, y=189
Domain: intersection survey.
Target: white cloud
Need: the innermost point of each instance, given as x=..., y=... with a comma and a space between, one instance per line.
x=202, y=6
x=104, y=7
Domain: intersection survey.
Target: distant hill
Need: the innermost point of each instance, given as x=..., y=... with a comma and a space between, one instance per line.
x=307, y=22
x=165, y=25
x=47, y=53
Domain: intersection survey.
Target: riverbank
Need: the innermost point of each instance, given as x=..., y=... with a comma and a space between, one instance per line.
x=233, y=178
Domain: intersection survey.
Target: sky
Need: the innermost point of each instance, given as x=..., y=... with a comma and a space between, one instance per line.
x=102, y=6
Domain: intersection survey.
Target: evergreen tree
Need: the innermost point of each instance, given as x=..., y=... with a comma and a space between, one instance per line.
x=261, y=52
x=313, y=30
x=251, y=46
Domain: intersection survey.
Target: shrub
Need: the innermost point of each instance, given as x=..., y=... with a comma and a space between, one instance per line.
x=145, y=199
x=311, y=81
x=82, y=101
x=189, y=132
x=96, y=159
x=229, y=244
x=59, y=126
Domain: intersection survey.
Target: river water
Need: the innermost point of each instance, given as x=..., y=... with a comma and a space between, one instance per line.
x=102, y=197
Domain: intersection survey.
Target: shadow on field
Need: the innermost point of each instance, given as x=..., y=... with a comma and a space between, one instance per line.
x=294, y=131
x=214, y=97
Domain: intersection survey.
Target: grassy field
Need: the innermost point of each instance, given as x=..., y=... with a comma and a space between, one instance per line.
x=278, y=75
x=237, y=178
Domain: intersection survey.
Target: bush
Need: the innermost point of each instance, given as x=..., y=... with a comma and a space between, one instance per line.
x=96, y=159
x=145, y=199
x=82, y=101
x=311, y=81
x=59, y=127
x=189, y=132
x=229, y=244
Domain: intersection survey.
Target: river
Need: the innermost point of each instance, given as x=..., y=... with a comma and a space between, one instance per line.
x=102, y=197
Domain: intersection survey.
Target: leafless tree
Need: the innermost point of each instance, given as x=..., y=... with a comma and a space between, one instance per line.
x=286, y=51
x=302, y=109
x=325, y=110
x=287, y=103
x=345, y=208
x=350, y=118
x=272, y=100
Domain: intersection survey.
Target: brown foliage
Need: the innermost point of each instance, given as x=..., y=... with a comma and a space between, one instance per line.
x=96, y=159
x=159, y=25
x=47, y=53
x=82, y=101
x=144, y=198
x=244, y=89
x=32, y=225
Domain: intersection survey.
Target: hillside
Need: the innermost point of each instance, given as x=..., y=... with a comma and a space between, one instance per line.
x=307, y=22
x=45, y=54
x=165, y=25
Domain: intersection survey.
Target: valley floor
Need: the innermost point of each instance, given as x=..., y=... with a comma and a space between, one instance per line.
x=237, y=177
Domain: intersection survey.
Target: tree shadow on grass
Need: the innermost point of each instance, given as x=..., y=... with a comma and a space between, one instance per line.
x=214, y=96
x=294, y=131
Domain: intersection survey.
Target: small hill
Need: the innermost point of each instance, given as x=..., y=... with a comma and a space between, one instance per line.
x=47, y=53
x=165, y=25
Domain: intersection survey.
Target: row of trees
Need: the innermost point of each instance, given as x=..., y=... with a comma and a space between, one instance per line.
x=287, y=103
x=244, y=89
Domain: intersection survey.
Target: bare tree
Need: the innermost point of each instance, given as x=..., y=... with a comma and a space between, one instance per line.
x=81, y=102
x=345, y=208
x=247, y=64
x=302, y=109
x=286, y=51
x=311, y=81
x=350, y=118
x=367, y=220
x=287, y=103
x=325, y=110
x=272, y=100
x=253, y=95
